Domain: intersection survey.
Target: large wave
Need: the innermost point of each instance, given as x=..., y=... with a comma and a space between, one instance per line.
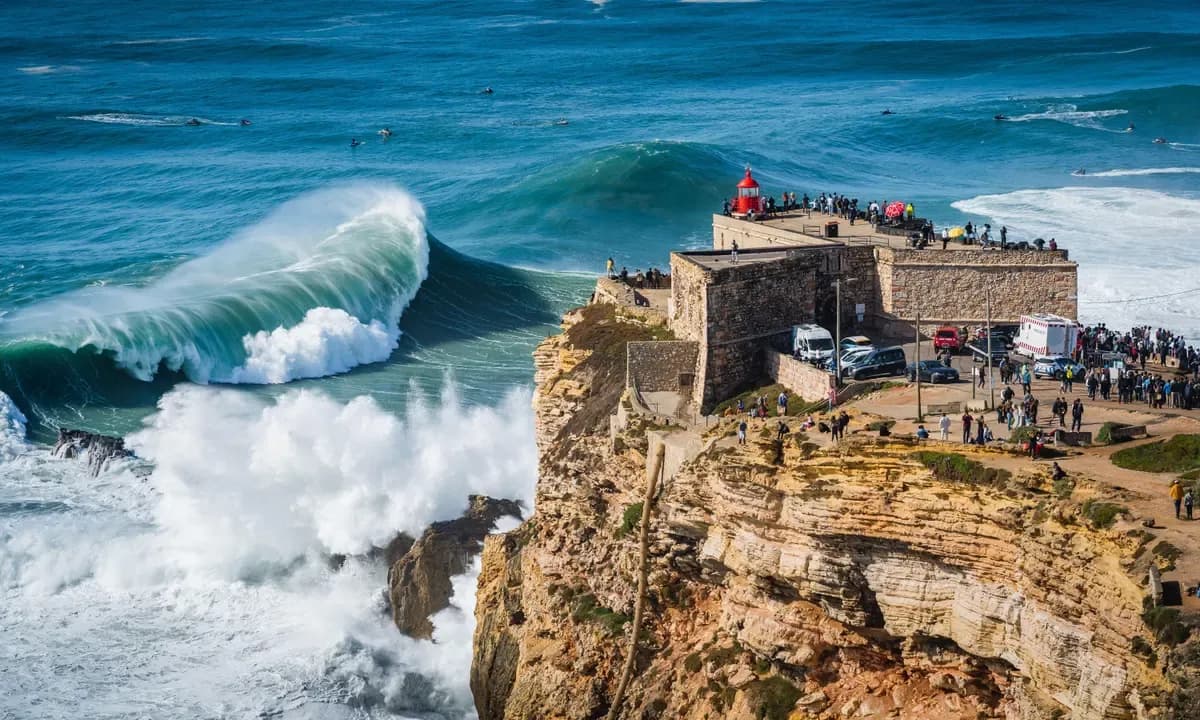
x=315, y=288
x=1127, y=244
x=217, y=557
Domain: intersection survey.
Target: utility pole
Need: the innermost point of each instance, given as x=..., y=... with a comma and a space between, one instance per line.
x=920, y=415
x=837, y=349
x=991, y=383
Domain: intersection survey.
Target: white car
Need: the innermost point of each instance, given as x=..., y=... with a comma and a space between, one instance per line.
x=1056, y=367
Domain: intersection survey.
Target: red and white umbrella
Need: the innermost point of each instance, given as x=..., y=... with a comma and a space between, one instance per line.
x=894, y=210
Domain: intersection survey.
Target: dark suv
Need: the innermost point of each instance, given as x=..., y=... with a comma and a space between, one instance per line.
x=883, y=361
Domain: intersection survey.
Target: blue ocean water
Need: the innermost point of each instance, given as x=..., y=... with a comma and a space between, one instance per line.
x=150, y=241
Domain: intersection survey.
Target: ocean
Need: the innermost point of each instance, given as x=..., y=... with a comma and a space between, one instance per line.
x=311, y=346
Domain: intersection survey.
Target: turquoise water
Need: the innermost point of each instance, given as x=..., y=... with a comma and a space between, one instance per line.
x=287, y=273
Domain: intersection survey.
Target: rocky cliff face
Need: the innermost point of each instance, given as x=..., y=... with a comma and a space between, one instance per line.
x=798, y=579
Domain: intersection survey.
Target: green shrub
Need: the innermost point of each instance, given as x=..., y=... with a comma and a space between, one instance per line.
x=953, y=467
x=586, y=608
x=692, y=663
x=1104, y=434
x=1102, y=514
x=1179, y=454
x=773, y=698
x=1022, y=434
x=1165, y=623
x=725, y=655
x=631, y=518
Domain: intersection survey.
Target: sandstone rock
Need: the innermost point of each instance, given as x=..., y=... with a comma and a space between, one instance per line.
x=814, y=702
x=741, y=676
x=419, y=581
x=849, y=708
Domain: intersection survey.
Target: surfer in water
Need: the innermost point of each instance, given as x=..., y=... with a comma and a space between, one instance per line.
x=244, y=122
x=1160, y=141
x=1130, y=128
x=999, y=116
x=561, y=121
x=385, y=133
x=192, y=122
x=887, y=112
x=354, y=142
x=1080, y=171
x=487, y=90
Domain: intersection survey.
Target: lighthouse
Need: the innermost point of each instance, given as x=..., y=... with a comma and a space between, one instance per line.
x=748, y=198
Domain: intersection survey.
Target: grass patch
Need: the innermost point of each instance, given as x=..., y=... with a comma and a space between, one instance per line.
x=1063, y=487
x=1168, y=552
x=631, y=518
x=1179, y=454
x=1190, y=475
x=585, y=608
x=773, y=698
x=605, y=334
x=1102, y=515
x=953, y=467
x=720, y=657
x=796, y=405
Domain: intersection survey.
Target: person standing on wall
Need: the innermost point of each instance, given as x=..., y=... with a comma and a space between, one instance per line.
x=1077, y=415
x=733, y=252
x=966, y=427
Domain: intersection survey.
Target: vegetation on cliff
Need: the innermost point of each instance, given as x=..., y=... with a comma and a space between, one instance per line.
x=1178, y=454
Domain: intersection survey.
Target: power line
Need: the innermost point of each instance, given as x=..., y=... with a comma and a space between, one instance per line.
x=1139, y=299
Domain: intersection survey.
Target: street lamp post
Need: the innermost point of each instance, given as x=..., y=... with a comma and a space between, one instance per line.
x=991, y=381
x=837, y=350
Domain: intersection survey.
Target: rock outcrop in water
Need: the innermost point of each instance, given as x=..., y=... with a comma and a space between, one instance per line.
x=99, y=449
x=419, y=578
x=806, y=580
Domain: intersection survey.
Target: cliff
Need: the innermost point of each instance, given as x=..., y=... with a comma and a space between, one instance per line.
x=801, y=578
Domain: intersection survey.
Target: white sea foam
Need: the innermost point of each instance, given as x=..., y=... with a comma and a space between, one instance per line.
x=326, y=342
x=316, y=287
x=47, y=69
x=1129, y=243
x=207, y=579
x=1146, y=171
x=12, y=429
x=144, y=120
x=1072, y=115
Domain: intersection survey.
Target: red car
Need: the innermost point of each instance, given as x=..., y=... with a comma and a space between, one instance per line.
x=949, y=338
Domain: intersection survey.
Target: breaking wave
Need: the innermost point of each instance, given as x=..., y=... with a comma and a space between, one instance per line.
x=1071, y=115
x=315, y=288
x=143, y=120
x=217, y=555
x=1126, y=241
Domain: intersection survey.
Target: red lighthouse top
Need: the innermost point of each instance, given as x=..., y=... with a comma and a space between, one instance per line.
x=748, y=199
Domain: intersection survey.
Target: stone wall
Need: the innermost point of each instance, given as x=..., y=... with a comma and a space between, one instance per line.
x=951, y=286
x=756, y=235
x=810, y=383
x=668, y=365
x=735, y=310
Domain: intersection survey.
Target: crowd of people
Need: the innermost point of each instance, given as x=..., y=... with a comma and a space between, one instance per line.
x=652, y=279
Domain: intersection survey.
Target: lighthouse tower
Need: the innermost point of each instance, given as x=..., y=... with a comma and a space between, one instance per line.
x=748, y=196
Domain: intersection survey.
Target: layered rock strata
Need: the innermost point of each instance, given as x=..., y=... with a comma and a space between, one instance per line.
x=796, y=579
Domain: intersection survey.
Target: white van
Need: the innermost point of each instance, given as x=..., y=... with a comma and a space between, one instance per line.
x=812, y=342
x=1043, y=334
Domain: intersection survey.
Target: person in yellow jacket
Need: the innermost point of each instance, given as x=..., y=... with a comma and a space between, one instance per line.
x=1176, y=495
x=910, y=211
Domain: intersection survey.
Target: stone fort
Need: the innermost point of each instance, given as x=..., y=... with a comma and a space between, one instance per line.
x=732, y=316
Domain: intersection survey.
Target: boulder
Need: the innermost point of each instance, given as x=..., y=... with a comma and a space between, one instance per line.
x=99, y=449
x=419, y=580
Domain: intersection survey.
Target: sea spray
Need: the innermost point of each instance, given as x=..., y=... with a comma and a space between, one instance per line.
x=218, y=556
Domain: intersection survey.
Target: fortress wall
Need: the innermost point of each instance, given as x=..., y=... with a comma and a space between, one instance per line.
x=951, y=286
x=801, y=378
x=734, y=311
x=668, y=365
x=757, y=235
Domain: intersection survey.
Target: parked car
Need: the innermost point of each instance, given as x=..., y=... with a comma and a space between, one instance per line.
x=949, y=338
x=855, y=341
x=932, y=371
x=979, y=349
x=1056, y=367
x=881, y=361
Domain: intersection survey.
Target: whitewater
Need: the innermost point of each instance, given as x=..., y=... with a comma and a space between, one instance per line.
x=311, y=347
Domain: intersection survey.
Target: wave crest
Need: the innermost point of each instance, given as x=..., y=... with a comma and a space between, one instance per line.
x=315, y=288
